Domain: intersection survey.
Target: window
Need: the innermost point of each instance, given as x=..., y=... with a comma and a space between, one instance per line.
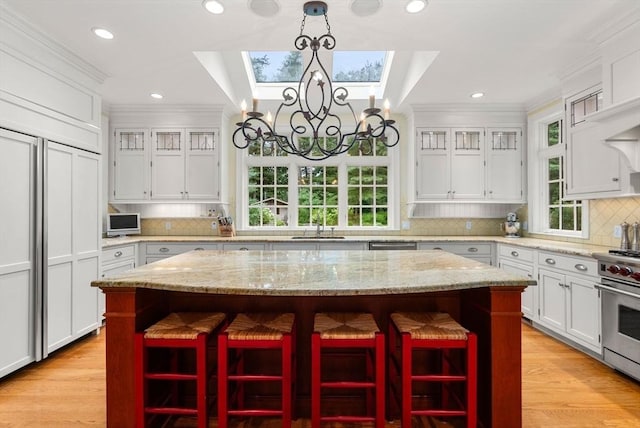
x=351, y=191
x=555, y=215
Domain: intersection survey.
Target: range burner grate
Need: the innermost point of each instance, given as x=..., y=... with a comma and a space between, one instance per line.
x=626, y=253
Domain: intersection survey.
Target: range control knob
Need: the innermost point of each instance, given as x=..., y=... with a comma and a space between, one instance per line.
x=614, y=268
x=636, y=276
x=625, y=271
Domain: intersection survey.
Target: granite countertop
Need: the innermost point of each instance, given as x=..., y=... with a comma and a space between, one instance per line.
x=585, y=250
x=314, y=273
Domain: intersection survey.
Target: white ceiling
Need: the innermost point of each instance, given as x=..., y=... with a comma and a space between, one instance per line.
x=512, y=50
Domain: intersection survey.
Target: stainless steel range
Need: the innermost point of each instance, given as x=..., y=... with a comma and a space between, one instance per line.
x=620, y=285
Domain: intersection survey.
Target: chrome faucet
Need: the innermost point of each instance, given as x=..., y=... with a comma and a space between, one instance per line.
x=318, y=230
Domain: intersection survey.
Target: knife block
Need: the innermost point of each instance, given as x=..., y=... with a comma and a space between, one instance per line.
x=226, y=231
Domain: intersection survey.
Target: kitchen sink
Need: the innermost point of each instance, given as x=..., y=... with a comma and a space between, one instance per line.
x=317, y=237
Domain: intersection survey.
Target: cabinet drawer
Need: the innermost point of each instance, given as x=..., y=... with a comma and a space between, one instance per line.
x=516, y=253
x=568, y=264
x=172, y=249
x=462, y=249
x=243, y=246
x=115, y=254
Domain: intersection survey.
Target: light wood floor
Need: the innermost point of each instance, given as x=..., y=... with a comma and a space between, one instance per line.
x=561, y=388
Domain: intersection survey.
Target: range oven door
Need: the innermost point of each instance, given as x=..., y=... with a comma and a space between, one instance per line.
x=621, y=326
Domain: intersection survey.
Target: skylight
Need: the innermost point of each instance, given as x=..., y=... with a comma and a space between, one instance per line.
x=358, y=66
x=348, y=66
x=276, y=66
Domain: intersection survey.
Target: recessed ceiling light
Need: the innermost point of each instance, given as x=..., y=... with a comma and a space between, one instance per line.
x=214, y=6
x=415, y=6
x=265, y=8
x=102, y=33
x=365, y=7
x=157, y=96
x=477, y=95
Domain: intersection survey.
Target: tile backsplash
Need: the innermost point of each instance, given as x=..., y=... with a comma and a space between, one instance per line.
x=604, y=215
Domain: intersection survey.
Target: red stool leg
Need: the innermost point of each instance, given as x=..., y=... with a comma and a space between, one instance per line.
x=222, y=381
x=286, y=381
x=380, y=384
x=406, y=374
x=472, y=380
x=315, y=380
x=446, y=369
x=140, y=383
x=201, y=382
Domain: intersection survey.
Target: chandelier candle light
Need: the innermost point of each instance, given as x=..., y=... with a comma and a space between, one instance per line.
x=312, y=117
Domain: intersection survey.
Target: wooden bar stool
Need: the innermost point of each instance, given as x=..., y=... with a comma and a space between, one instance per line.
x=176, y=332
x=433, y=332
x=348, y=331
x=258, y=331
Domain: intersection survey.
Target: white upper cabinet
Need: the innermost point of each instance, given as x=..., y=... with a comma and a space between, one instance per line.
x=594, y=170
x=129, y=166
x=505, y=166
x=166, y=164
x=202, y=164
x=450, y=163
x=469, y=164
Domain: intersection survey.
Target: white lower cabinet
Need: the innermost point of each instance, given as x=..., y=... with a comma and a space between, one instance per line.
x=519, y=261
x=115, y=260
x=480, y=251
x=569, y=303
x=161, y=250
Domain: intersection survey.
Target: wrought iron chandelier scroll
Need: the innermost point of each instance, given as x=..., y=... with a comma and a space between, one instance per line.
x=316, y=131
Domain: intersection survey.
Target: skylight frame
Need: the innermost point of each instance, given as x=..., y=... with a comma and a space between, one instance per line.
x=357, y=90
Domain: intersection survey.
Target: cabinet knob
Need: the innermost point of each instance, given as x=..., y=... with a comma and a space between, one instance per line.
x=472, y=250
x=581, y=267
x=437, y=248
x=164, y=250
x=515, y=254
x=243, y=249
x=615, y=179
x=199, y=249
x=117, y=254
x=550, y=261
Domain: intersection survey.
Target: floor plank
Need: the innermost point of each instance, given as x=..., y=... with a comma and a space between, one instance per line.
x=561, y=388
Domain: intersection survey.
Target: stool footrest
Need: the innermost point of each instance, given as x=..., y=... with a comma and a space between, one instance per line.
x=170, y=376
x=254, y=378
x=254, y=412
x=171, y=410
x=439, y=378
x=436, y=412
x=347, y=419
x=352, y=384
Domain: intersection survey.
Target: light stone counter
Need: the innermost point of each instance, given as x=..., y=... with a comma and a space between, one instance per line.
x=585, y=250
x=314, y=273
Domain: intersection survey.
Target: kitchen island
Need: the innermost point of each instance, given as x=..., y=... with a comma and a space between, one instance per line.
x=484, y=299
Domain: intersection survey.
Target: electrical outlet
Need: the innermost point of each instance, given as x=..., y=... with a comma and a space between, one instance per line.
x=468, y=225
x=167, y=225
x=214, y=225
x=617, y=231
x=406, y=225
x=525, y=225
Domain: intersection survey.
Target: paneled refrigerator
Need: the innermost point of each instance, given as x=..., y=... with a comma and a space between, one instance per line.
x=49, y=247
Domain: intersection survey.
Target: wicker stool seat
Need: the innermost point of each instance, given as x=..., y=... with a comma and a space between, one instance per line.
x=433, y=332
x=176, y=332
x=348, y=332
x=255, y=331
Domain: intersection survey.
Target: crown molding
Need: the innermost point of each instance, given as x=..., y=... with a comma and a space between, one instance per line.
x=167, y=108
x=615, y=26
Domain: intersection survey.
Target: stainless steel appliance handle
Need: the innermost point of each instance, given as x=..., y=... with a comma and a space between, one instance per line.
x=393, y=245
x=617, y=291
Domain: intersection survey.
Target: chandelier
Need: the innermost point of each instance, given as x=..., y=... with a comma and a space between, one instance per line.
x=315, y=132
